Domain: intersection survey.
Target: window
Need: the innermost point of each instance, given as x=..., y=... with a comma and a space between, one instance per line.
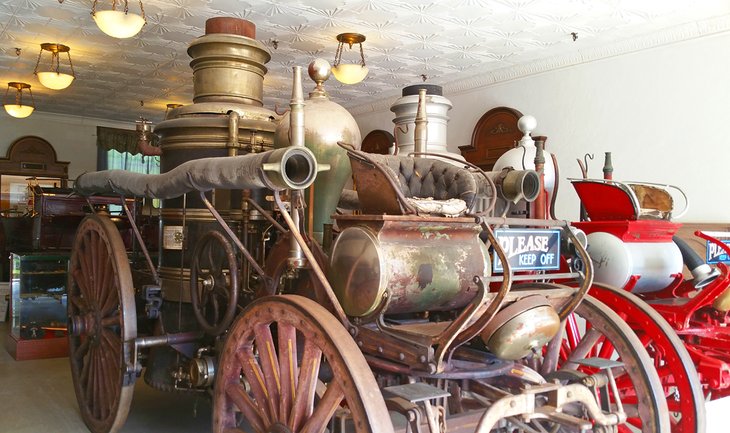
x=137, y=163
x=117, y=150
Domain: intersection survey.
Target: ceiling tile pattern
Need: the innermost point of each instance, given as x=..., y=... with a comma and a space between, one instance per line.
x=455, y=43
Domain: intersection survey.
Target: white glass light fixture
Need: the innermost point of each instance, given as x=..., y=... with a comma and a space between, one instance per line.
x=18, y=109
x=55, y=79
x=349, y=73
x=119, y=22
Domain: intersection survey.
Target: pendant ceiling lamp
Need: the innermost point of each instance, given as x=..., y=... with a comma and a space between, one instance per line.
x=119, y=22
x=18, y=109
x=55, y=79
x=349, y=73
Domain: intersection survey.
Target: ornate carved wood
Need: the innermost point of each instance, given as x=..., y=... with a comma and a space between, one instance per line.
x=33, y=156
x=494, y=134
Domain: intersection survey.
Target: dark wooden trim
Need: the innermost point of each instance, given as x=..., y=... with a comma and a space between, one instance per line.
x=378, y=141
x=33, y=156
x=477, y=152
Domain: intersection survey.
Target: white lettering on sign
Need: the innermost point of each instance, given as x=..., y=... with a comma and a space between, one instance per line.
x=516, y=245
x=715, y=253
x=528, y=249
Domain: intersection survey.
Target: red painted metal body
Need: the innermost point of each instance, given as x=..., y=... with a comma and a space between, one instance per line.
x=690, y=312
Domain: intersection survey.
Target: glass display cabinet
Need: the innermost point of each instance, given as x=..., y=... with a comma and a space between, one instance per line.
x=38, y=306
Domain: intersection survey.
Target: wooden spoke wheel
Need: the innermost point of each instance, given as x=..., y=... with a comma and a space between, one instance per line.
x=102, y=318
x=675, y=367
x=289, y=366
x=595, y=330
x=214, y=282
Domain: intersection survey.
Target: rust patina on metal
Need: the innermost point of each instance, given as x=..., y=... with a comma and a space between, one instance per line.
x=421, y=262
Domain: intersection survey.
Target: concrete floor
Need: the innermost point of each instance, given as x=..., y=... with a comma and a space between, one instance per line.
x=38, y=396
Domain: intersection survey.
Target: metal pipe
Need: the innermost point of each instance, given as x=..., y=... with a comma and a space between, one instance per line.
x=266, y=215
x=318, y=272
x=608, y=167
x=245, y=222
x=167, y=339
x=232, y=145
x=143, y=142
x=296, y=131
x=141, y=242
x=289, y=167
x=420, y=132
x=541, y=200
x=296, y=125
x=232, y=235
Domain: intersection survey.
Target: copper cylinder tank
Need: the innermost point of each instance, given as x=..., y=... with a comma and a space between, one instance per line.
x=423, y=264
x=226, y=118
x=325, y=123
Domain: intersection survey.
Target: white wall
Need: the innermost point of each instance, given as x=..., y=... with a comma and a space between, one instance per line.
x=74, y=138
x=662, y=112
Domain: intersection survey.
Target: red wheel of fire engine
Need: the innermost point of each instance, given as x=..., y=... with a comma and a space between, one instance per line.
x=288, y=365
x=102, y=318
x=671, y=359
x=595, y=330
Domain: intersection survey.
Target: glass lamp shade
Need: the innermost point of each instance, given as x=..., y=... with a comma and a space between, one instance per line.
x=119, y=24
x=55, y=80
x=350, y=73
x=19, y=111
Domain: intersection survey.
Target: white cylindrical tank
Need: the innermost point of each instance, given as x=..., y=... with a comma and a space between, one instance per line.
x=437, y=108
x=615, y=261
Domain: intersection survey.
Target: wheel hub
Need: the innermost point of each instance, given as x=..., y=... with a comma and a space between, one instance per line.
x=82, y=324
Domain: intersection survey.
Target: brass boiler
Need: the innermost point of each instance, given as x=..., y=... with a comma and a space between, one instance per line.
x=423, y=264
x=226, y=119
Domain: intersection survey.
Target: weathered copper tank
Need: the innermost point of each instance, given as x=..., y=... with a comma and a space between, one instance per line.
x=325, y=123
x=423, y=264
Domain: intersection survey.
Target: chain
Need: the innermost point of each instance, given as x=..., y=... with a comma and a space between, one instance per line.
x=141, y=7
x=362, y=56
x=57, y=58
x=38, y=62
x=338, y=54
x=70, y=64
x=93, y=8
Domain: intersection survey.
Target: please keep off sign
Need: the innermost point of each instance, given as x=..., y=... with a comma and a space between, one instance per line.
x=529, y=249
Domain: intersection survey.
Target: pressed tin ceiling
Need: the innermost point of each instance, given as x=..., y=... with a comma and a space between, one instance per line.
x=460, y=44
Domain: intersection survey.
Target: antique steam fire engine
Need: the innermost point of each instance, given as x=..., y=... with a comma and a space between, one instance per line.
x=296, y=324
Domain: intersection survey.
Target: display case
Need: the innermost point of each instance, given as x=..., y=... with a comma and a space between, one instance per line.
x=38, y=306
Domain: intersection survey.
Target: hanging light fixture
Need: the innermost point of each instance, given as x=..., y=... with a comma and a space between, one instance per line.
x=18, y=109
x=55, y=79
x=119, y=23
x=349, y=73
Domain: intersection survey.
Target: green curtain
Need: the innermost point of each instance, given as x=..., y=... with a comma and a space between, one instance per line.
x=121, y=140
x=137, y=163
